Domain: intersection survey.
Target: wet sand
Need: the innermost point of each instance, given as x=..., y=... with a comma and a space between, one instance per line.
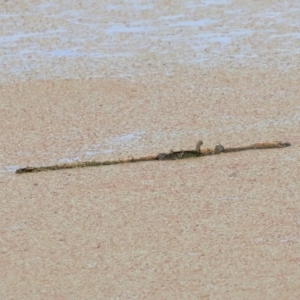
x=216, y=227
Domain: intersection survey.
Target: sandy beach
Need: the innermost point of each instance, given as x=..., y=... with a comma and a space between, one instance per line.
x=217, y=227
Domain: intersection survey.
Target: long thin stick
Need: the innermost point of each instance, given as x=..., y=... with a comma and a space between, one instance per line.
x=267, y=145
x=177, y=155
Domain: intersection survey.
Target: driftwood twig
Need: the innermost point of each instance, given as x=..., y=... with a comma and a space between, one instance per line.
x=173, y=155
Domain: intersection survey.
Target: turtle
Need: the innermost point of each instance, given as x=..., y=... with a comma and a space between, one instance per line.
x=181, y=154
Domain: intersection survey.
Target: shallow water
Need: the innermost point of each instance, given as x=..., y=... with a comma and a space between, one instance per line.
x=50, y=40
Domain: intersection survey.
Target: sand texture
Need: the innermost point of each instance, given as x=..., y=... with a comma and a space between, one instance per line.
x=223, y=226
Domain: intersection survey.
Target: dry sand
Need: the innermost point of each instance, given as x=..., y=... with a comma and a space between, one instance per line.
x=219, y=227
x=225, y=226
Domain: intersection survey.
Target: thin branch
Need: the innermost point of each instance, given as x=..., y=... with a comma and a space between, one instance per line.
x=184, y=154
